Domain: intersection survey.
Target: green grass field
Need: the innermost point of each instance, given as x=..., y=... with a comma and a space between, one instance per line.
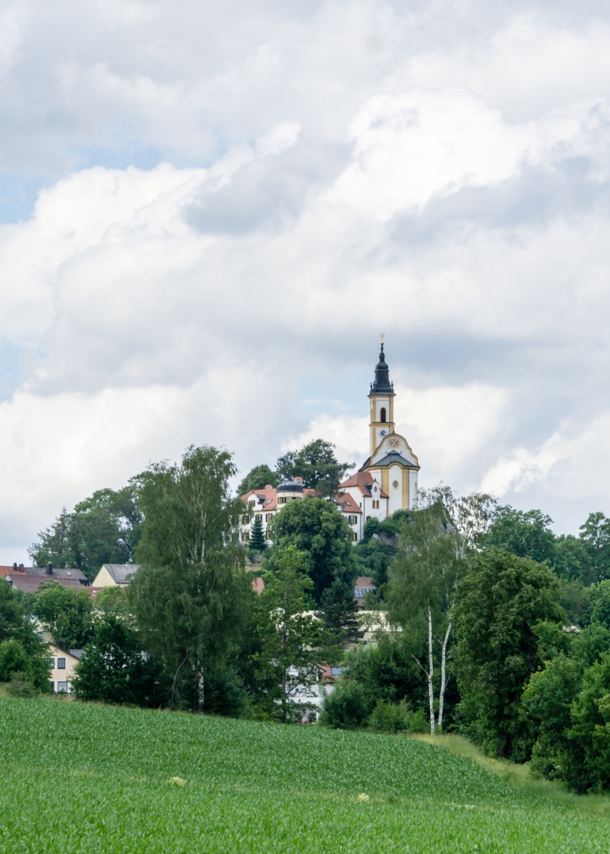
x=85, y=778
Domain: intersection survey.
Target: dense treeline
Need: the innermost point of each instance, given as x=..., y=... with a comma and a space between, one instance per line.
x=489, y=624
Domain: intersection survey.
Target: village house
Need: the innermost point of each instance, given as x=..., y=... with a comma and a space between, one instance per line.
x=29, y=578
x=115, y=575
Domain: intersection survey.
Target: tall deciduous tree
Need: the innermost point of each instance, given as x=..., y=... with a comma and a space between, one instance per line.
x=317, y=464
x=420, y=592
x=66, y=613
x=291, y=635
x=317, y=528
x=192, y=595
x=104, y=528
x=499, y=604
x=258, y=478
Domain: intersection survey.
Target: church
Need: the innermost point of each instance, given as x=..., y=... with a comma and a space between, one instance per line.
x=386, y=482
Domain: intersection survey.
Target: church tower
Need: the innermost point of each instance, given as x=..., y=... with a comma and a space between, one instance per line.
x=382, y=403
x=392, y=463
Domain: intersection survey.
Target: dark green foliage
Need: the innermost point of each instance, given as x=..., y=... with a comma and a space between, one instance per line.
x=192, y=596
x=317, y=464
x=290, y=635
x=339, y=609
x=391, y=717
x=258, y=478
x=378, y=547
x=225, y=693
x=347, y=707
x=104, y=528
x=572, y=560
x=595, y=535
x=257, y=537
x=66, y=612
x=115, y=669
x=588, y=768
x=23, y=651
x=32, y=667
x=499, y=603
x=575, y=599
x=12, y=623
x=547, y=700
x=599, y=596
x=526, y=534
x=318, y=529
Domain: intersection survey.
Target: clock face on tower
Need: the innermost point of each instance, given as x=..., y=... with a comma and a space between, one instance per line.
x=383, y=432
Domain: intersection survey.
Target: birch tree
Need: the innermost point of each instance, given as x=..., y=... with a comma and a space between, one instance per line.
x=423, y=577
x=191, y=597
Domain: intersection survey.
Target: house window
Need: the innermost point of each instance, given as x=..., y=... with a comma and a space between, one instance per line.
x=62, y=687
x=246, y=519
x=375, y=504
x=281, y=501
x=352, y=520
x=382, y=417
x=245, y=537
x=268, y=517
x=61, y=663
x=354, y=537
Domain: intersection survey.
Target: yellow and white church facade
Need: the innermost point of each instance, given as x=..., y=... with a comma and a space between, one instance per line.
x=385, y=483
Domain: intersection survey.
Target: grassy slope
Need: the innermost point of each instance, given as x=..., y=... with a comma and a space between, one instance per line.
x=81, y=778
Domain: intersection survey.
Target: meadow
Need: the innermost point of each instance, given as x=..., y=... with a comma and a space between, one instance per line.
x=88, y=778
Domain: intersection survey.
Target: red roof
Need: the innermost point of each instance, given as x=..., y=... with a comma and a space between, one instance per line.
x=266, y=499
x=362, y=480
x=347, y=504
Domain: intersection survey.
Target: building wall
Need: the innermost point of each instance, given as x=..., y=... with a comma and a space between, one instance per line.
x=62, y=676
x=104, y=579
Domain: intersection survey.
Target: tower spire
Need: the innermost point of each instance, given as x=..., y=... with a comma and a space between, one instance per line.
x=381, y=383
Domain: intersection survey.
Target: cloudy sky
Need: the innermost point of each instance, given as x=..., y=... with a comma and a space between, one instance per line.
x=210, y=211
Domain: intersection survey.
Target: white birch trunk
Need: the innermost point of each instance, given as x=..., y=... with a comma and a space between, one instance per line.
x=441, y=695
x=430, y=670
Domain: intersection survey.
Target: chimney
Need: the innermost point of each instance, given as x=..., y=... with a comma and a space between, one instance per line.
x=20, y=566
x=14, y=567
x=49, y=569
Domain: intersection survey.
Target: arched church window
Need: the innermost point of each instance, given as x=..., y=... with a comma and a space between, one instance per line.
x=383, y=416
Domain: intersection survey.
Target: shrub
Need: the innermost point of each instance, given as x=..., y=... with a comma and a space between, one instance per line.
x=21, y=686
x=391, y=717
x=347, y=707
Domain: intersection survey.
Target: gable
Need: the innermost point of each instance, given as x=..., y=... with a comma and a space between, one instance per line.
x=393, y=449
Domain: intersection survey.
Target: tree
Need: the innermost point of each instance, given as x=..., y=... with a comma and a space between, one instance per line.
x=317, y=464
x=104, y=528
x=114, y=669
x=588, y=766
x=499, y=603
x=526, y=534
x=319, y=530
x=258, y=478
x=67, y=613
x=339, y=610
x=595, y=536
x=20, y=634
x=291, y=635
x=421, y=589
x=258, y=542
x=192, y=596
